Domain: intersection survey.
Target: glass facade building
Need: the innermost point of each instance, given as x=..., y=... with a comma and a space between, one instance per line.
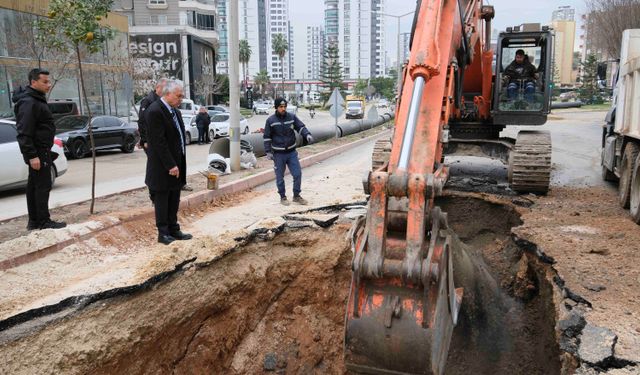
x=107, y=83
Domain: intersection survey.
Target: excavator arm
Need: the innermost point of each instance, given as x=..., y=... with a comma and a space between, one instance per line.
x=403, y=304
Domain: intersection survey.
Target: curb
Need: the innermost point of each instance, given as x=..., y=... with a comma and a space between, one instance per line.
x=190, y=201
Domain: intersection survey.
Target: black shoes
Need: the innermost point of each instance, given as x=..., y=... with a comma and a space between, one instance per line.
x=50, y=224
x=165, y=239
x=175, y=236
x=181, y=236
x=31, y=225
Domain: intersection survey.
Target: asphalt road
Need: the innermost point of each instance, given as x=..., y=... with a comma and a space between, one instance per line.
x=576, y=158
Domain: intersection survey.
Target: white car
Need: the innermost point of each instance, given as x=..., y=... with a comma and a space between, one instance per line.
x=188, y=107
x=190, y=128
x=219, y=126
x=262, y=108
x=15, y=172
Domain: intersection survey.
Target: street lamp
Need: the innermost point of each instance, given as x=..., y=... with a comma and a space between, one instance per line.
x=398, y=63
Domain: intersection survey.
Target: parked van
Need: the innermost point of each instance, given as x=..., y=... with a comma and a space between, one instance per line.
x=188, y=107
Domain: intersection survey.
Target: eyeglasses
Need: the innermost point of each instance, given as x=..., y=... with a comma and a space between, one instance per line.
x=282, y=106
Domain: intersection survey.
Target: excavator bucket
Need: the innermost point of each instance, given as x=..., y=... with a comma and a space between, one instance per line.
x=395, y=327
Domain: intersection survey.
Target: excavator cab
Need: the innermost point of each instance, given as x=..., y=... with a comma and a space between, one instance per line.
x=522, y=90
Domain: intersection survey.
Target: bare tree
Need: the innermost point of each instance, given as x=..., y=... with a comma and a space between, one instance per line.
x=209, y=85
x=606, y=21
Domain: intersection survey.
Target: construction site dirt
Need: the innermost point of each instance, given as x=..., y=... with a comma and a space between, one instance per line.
x=270, y=294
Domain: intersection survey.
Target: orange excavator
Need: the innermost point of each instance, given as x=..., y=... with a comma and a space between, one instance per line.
x=456, y=98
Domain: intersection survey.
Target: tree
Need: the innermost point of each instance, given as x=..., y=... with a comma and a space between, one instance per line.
x=209, y=85
x=385, y=86
x=262, y=80
x=360, y=87
x=330, y=71
x=589, y=92
x=607, y=19
x=280, y=46
x=245, y=56
x=75, y=25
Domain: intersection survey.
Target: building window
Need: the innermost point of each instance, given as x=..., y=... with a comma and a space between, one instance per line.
x=157, y=2
x=159, y=19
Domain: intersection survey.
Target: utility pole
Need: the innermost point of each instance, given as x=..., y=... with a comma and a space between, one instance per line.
x=234, y=94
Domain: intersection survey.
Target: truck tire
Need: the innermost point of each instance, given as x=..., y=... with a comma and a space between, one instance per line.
x=634, y=191
x=626, y=171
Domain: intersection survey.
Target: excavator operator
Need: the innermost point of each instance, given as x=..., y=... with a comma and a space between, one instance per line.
x=520, y=73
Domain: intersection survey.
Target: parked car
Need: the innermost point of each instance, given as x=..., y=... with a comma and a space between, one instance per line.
x=188, y=107
x=219, y=126
x=63, y=107
x=109, y=132
x=190, y=129
x=217, y=108
x=262, y=108
x=15, y=172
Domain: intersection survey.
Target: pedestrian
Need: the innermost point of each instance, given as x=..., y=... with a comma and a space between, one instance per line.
x=166, y=161
x=202, y=122
x=35, y=137
x=280, y=146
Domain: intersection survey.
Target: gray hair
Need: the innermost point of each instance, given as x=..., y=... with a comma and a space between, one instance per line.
x=171, y=86
x=162, y=81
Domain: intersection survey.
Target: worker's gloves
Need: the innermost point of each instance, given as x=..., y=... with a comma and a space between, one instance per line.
x=309, y=139
x=269, y=156
x=505, y=80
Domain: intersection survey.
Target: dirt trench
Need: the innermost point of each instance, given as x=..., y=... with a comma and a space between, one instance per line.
x=277, y=303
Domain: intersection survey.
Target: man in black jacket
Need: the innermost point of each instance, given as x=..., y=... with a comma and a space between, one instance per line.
x=35, y=137
x=202, y=122
x=520, y=73
x=144, y=104
x=280, y=146
x=167, y=160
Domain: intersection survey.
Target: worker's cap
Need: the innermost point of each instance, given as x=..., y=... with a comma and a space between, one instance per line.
x=520, y=52
x=278, y=102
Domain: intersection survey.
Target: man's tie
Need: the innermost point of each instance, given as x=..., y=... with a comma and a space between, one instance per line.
x=177, y=124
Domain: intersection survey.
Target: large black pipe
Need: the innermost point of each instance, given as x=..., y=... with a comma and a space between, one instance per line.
x=558, y=105
x=255, y=140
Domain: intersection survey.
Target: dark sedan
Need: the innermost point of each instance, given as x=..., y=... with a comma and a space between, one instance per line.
x=109, y=132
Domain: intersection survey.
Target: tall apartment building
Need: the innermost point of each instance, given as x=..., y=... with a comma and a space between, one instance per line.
x=565, y=29
x=259, y=21
x=176, y=37
x=315, y=51
x=277, y=16
x=405, y=46
x=358, y=28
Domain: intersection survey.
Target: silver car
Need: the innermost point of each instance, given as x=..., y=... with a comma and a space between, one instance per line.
x=15, y=172
x=219, y=126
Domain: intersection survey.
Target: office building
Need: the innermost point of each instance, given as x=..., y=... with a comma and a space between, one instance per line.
x=177, y=38
x=107, y=83
x=358, y=28
x=315, y=51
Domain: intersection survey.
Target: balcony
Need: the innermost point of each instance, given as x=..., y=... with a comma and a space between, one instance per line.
x=208, y=6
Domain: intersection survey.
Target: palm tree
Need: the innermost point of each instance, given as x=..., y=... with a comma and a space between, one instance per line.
x=245, y=55
x=280, y=46
x=261, y=80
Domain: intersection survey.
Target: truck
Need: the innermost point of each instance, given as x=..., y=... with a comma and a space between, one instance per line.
x=620, y=157
x=355, y=107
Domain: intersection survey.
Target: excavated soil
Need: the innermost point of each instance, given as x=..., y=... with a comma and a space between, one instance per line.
x=275, y=302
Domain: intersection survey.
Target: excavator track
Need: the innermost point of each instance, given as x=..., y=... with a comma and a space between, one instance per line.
x=381, y=153
x=530, y=162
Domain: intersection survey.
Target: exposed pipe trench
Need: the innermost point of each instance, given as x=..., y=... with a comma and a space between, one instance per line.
x=275, y=301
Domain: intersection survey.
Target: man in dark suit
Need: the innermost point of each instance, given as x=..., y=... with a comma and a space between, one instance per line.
x=166, y=160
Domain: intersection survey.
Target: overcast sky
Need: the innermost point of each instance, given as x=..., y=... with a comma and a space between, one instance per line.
x=305, y=13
